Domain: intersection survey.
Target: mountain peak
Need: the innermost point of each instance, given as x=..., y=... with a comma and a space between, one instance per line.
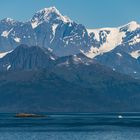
x=131, y=26
x=26, y=58
x=50, y=14
x=50, y=10
x=8, y=20
x=133, y=23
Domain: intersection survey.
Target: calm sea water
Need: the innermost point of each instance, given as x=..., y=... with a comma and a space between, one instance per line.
x=116, y=126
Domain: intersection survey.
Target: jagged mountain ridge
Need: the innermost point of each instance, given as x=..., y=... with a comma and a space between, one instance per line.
x=34, y=57
x=106, y=39
x=48, y=28
x=26, y=58
x=118, y=48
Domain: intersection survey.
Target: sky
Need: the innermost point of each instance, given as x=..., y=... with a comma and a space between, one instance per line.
x=91, y=13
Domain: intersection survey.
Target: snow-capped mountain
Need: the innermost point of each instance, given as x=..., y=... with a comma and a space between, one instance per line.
x=106, y=39
x=50, y=63
x=118, y=48
x=48, y=28
x=50, y=15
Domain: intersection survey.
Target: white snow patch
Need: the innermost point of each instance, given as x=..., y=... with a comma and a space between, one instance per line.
x=34, y=24
x=5, y=53
x=47, y=11
x=52, y=58
x=54, y=27
x=67, y=42
x=132, y=26
x=114, y=69
x=64, y=64
x=135, y=54
x=50, y=49
x=6, y=33
x=113, y=39
x=119, y=54
x=8, y=67
x=83, y=34
x=45, y=15
x=92, y=52
x=135, y=40
x=96, y=33
x=17, y=39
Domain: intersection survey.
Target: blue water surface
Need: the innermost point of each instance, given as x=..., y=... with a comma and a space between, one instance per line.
x=111, y=126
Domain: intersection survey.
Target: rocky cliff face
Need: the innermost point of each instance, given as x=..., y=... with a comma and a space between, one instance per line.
x=27, y=58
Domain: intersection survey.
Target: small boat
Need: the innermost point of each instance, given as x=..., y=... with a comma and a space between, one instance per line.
x=120, y=116
x=27, y=115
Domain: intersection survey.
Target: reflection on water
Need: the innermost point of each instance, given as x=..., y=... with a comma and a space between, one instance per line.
x=115, y=126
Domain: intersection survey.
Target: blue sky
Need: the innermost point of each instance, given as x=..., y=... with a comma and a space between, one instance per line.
x=91, y=13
